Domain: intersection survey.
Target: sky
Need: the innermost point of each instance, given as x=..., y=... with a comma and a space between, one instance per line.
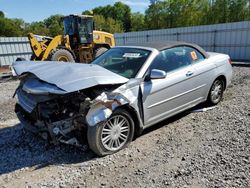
x=38, y=10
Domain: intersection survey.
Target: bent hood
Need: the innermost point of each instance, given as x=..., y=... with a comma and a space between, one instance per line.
x=69, y=77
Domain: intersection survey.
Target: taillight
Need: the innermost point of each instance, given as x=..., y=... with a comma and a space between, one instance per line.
x=230, y=61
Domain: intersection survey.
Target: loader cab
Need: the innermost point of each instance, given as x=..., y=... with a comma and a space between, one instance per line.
x=79, y=28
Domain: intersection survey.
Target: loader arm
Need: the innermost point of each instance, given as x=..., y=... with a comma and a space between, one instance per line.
x=35, y=45
x=58, y=40
x=42, y=49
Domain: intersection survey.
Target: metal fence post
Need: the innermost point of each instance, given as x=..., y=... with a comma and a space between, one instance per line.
x=177, y=36
x=123, y=40
x=215, y=38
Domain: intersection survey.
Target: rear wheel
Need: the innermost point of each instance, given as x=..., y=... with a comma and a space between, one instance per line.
x=61, y=54
x=112, y=135
x=216, y=92
x=99, y=51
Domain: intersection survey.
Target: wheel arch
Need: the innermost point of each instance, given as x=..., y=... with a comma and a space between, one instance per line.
x=220, y=77
x=224, y=79
x=135, y=117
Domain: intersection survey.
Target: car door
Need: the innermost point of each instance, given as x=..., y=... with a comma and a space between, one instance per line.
x=163, y=98
x=204, y=70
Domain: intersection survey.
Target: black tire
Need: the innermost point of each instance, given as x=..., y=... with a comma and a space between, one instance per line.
x=60, y=54
x=99, y=51
x=98, y=134
x=33, y=57
x=20, y=59
x=216, y=92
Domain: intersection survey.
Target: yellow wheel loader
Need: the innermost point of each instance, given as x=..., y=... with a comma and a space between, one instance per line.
x=80, y=42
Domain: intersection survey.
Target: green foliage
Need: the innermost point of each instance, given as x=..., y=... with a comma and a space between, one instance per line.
x=51, y=26
x=223, y=11
x=160, y=14
x=108, y=25
x=87, y=12
x=137, y=22
x=175, y=13
x=54, y=24
x=119, y=12
x=1, y=14
x=11, y=27
x=38, y=28
x=122, y=13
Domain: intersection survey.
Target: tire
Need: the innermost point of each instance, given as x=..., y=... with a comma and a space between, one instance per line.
x=216, y=92
x=33, y=57
x=107, y=137
x=99, y=51
x=60, y=54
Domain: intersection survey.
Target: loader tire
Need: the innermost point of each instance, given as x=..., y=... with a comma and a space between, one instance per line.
x=61, y=54
x=99, y=51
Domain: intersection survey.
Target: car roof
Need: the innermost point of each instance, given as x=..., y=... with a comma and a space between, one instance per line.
x=167, y=44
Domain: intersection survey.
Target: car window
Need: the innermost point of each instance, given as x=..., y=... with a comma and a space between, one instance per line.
x=176, y=58
x=123, y=61
x=194, y=55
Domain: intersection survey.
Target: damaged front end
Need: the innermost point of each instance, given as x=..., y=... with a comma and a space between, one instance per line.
x=65, y=102
x=59, y=116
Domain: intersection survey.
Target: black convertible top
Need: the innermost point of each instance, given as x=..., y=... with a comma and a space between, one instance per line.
x=168, y=44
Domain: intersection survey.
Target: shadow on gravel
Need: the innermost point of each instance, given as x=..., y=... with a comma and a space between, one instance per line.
x=241, y=64
x=173, y=119
x=165, y=122
x=20, y=149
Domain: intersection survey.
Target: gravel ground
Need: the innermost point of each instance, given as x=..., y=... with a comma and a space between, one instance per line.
x=209, y=149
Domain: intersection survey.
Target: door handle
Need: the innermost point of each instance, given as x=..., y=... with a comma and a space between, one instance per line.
x=189, y=73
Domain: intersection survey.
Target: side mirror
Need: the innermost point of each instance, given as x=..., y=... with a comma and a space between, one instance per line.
x=157, y=74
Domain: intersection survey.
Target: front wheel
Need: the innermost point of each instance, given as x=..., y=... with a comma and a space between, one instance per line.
x=60, y=54
x=216, y=92
x=112, y=135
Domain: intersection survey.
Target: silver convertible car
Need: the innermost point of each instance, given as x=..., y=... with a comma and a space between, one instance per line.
x=127, y=89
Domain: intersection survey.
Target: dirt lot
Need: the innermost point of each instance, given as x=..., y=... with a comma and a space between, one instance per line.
x=206, y=149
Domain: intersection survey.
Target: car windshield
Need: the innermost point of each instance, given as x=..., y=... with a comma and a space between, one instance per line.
x=123, y=61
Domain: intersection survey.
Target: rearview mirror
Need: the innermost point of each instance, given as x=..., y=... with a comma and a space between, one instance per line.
x=157, y=74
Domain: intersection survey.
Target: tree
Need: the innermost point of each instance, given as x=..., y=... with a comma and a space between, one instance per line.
x=223, y=11
x=109, y=25
x=100, y=23
x=1, y=14
x=137, y=22
x=119, y=12
x=239, y=10
x=175, y=13
x=87, y=12
x=55, y=25
x=122, y=12
x=38, y=28
x=10, y=27
x=105, y=11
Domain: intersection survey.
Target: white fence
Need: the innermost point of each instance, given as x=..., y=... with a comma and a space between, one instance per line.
x=13, y=47
x=231, y=38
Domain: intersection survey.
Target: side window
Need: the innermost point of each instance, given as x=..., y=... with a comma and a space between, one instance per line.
x=170, y=59
x=176, y=58
x=194, y=55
